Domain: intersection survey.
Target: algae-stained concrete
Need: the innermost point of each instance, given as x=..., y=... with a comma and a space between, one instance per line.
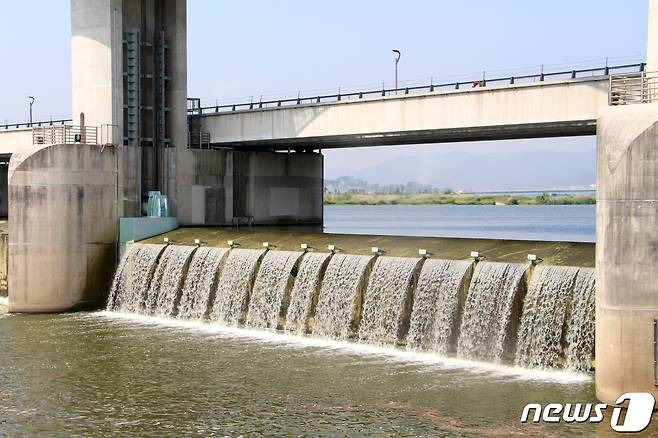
x=62, y=227
x=516, y=251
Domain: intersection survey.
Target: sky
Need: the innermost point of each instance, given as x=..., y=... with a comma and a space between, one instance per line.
x=239, y=49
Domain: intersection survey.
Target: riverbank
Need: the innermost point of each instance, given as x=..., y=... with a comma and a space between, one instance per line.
x=456, y=199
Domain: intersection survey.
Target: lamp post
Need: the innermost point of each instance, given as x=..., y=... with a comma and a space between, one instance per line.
x=397, y=59
x=32, y=99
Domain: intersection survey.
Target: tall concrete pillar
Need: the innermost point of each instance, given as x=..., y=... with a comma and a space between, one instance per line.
x=627, y=243
x=130, y=81
x=652, y=37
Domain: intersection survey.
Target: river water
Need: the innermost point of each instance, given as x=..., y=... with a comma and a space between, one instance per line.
x=107, y=374
x=567, y=223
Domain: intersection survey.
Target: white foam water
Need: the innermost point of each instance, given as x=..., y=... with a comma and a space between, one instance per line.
x=580, y=328
x=234, y=285
x=387, y=300
x=329, y=346
x=272, y=289
x=304, y=294
x=339, y=304
x=539, y=342
x=133, y=277
x=488, y=310
x=197, y=295
x=435, y=312
x=163, y=295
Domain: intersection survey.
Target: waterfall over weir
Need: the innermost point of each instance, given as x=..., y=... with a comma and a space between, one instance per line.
x=272, y=289
x=557, y=294
x=201, y=281
x=488, y=310
x=305, y=292
x=387, y=306
x=435, y=314
x=475, y=310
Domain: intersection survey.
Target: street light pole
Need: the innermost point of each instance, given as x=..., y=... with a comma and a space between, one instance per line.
x=31, y=103
x=397, y=59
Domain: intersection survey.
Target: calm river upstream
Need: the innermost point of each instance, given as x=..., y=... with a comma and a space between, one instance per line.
x=572, y=223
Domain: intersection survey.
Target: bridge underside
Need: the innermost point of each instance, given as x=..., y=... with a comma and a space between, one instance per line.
x=534, y=110
x=451, y=135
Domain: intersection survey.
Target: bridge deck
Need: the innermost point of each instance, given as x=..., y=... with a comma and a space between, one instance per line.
x=541, y=109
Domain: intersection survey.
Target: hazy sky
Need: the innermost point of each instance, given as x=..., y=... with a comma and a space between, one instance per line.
x=239, y=49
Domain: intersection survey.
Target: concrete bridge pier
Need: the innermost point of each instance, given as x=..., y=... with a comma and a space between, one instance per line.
x=627, y=251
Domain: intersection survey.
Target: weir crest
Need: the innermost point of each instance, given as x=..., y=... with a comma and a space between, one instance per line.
x=536, y=317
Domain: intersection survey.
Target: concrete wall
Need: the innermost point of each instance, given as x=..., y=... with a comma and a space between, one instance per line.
x=626, y=250
x=216, y=186
x=15, y=140
x=552, y=108
x=205, y=187
x=62, y=227
x=283, y=188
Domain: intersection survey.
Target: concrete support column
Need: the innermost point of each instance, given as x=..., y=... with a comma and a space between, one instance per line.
x=652, y=37
x=626, y=250
x=62, y=227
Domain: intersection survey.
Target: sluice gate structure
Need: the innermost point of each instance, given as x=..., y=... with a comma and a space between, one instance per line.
x=68, y=187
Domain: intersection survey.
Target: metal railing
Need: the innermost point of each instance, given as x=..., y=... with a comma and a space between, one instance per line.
x=632, y=88
x=194, y=107
x=65, y=134
x=35, y=124
x=198, y=140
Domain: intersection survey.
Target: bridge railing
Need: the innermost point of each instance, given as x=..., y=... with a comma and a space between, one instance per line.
x=35, y=124
x=632, y=88
x=65, y=134
x=195, y=108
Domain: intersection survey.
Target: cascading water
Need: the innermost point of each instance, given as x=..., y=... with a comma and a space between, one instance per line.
x=163, y=295
x=336, y=296
x=546, y=312
x=435, y=311
x=387, y=300
x=304, y=294
x=580, y=329
x=234, y=285
x=133, y=277
x=339, y=305
x=488, y=310
x=200, y=283
x=272, y=289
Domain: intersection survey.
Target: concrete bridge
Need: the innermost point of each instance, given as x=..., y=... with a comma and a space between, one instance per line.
x=545, y=108
x=68, y=187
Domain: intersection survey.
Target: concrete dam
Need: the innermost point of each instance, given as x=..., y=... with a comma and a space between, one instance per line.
x=78, y=193
x=531, y=316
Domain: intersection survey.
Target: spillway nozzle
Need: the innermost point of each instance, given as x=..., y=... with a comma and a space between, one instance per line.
x=475, y=255
x=423, y=253
x=267, y=245
x=377, y=250
x=198, y=242
x=305, y=247
x=332, y=249
x=231, y=244
x=534, y=259
x=167, y=241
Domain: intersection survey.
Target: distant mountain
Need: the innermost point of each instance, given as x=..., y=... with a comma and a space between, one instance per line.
x=521, y=170
x=349, y=184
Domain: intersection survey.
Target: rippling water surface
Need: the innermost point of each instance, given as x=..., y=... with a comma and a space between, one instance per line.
x=105, y=374
x=572, y=223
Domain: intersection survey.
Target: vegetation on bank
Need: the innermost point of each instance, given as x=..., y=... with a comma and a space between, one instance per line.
x=455, y=199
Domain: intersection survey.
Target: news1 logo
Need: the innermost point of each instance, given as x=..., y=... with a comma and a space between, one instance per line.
x=639, y=408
